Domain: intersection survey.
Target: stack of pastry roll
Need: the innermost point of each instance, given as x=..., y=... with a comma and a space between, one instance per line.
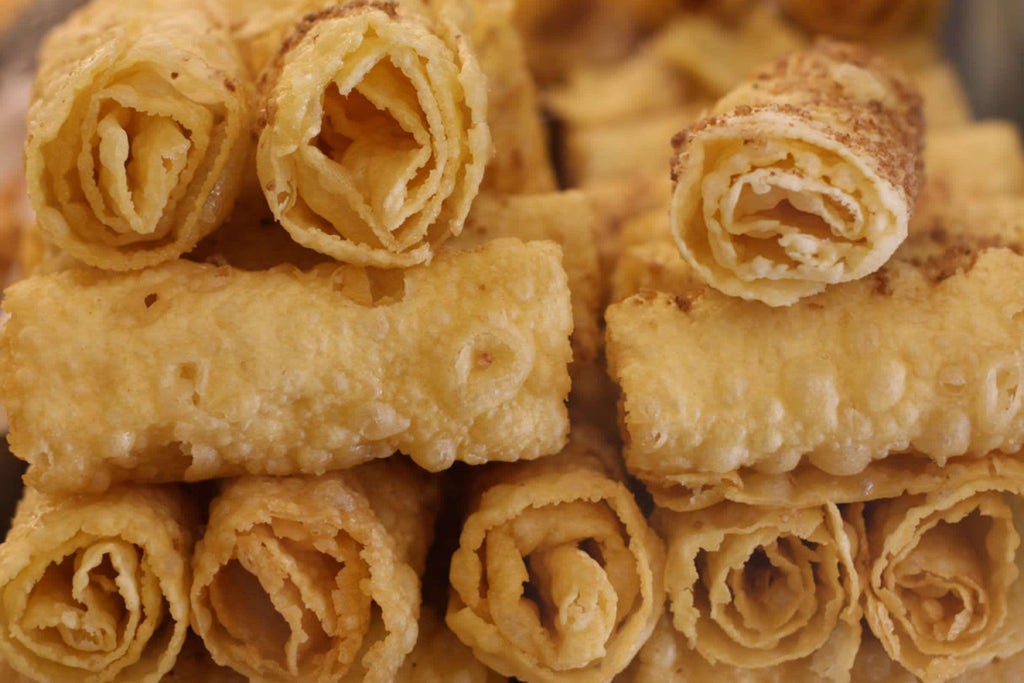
x=834, y=462
x=257, y=299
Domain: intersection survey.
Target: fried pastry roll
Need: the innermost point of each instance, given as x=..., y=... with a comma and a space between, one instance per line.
x=138, y=131
x=95, y=588
x=191, y=371
x=886, y=364
x=756, y=594
x=802, y=177
x=315, y=578
x=374, y=135
x=941, y=572
x=558, y=576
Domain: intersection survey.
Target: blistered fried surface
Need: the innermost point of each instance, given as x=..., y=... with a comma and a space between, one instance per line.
x=565, y=218
x=137, y=132
x=95, y=588
x=190, y=371
x=898, y=361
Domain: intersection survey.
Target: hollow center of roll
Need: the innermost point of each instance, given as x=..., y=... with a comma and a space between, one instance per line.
x=947, y=595
x=774, y=208
x=86, y=610
x=577, y=601
x=140, y=159
x=291, y=606
x=773, y=216
x=375, y=132
x=772, y=588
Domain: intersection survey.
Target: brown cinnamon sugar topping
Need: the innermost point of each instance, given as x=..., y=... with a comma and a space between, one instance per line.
x=843, y=91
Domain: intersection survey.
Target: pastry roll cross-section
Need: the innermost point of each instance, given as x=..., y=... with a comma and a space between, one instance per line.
x=191, y=371
x=757, y=594
x=558, y=576
x=374, y=135
x=138, y=131
x=803, y=177
x=315, y=578
x=95, y=588
x=941, y=570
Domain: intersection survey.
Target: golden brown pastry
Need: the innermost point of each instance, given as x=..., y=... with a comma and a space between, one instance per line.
x=220, y=371
x=95, y=588
x=802, y=177
x=715, y=388
x=315, y=578
x=566, y=218
x=941, y=571
x=138, y=131
x=557, y=576
x=756, y=594
x=374, y=135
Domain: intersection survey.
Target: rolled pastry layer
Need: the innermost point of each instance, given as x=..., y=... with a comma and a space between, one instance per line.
x=887, y=364
x=95, y=589
x=138, y=131
x=803, y=177
x=315, y=578
x=752, y=590
x=941, y=572
x=220, y=371
x=557, y=576
x=375, y=136
x=754, y=587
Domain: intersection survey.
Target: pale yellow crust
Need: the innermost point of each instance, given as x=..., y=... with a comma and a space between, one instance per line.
x=137, y=132
x=315, y=578
x=561, y=537
x=373, y=134
x=886, y=364
x=94, y=589
x=191, y=371
x=802, y=177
